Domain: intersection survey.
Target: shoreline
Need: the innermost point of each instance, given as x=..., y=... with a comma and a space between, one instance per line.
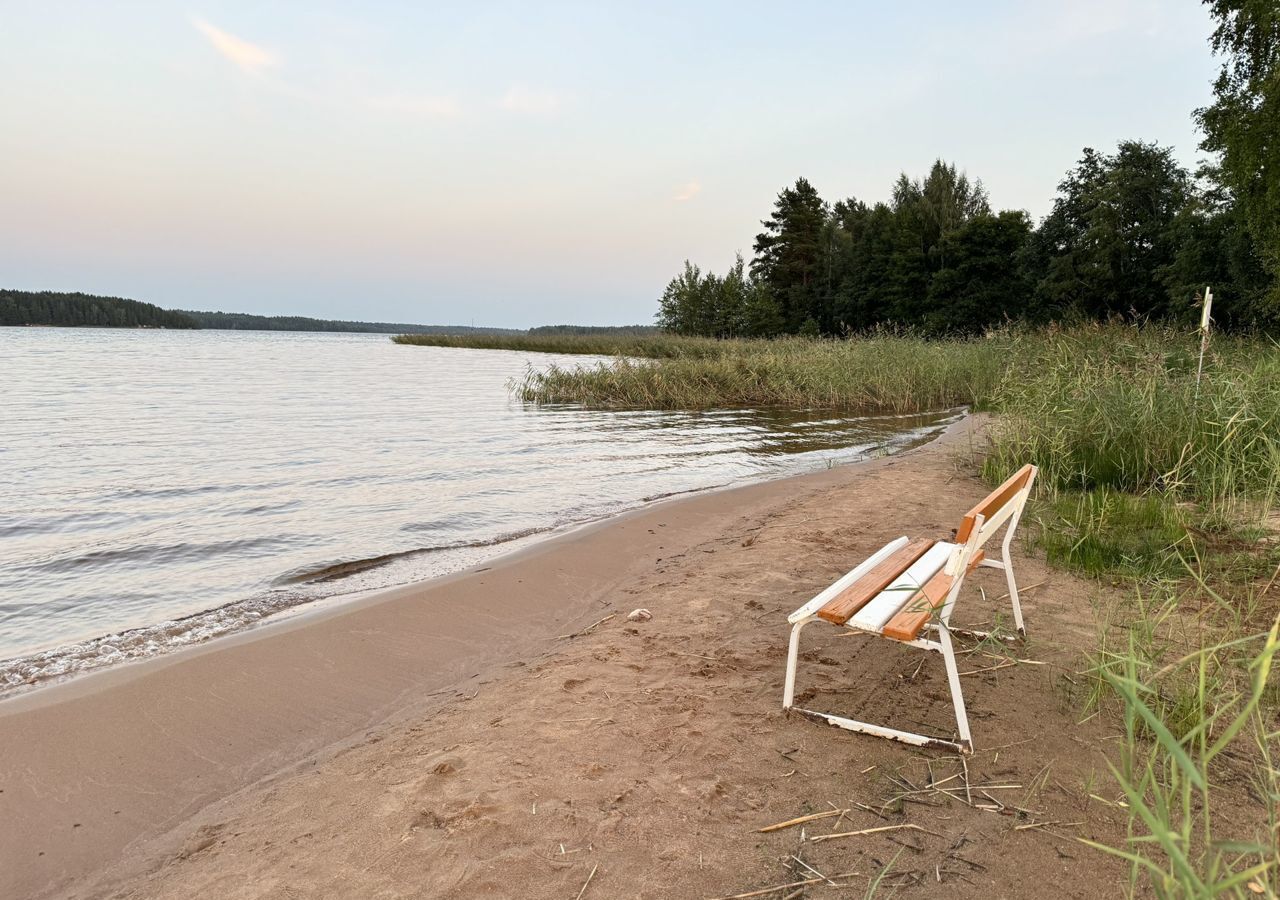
x=45, y=667
x=104, y=767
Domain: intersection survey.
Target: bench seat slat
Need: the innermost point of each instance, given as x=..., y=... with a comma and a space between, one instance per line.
x=820, y=599
x=841, y=608
x=881, y=609
x=910, y=620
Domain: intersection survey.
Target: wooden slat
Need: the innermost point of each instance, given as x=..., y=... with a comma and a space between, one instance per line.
x=916, y=612
x=992, y=503
x=843, y=605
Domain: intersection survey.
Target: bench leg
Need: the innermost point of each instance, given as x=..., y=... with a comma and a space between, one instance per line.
x=957, y=696
x=793, y=654
x=943, y=646
x=1013, y=599
x=1008, y=573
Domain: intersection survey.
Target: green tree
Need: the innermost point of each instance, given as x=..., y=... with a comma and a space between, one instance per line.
x=1243, y=124
x=925, y=211
x=728, y=317
x=791, y=256
x=686, y=304
x=705, y=304
x=981, y=283
x=1111, y=233
x=1215, y=248
x=943, y=201
x=865, y=293
x=762, y=314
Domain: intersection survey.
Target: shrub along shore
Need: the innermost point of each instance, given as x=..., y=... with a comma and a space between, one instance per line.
x=1153, y=479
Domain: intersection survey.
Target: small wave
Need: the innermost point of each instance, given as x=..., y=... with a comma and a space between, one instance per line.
x=345, y=568
x=156, y=553
x=166, y=493
x=137, y=644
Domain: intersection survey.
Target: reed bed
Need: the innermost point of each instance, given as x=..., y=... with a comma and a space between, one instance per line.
x=884, y=373
x=1122, y=408
x=651, y=346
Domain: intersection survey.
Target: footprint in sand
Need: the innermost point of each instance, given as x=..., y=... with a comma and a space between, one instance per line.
x=445, y=765
x=427, y=819
x=202, y=838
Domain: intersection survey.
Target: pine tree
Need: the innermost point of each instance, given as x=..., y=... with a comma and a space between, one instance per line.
x=790, y=255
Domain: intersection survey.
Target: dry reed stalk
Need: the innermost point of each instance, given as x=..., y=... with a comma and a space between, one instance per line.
x=801, y=820
x=817, y=838
x=590, y=627
x=587, y=882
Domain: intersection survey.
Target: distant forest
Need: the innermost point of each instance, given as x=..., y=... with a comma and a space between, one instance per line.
x=249, y=322
x=50, y=308
x=1131, y=234
x=88, y=310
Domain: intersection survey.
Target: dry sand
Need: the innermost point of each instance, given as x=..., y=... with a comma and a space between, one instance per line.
x=442, y=740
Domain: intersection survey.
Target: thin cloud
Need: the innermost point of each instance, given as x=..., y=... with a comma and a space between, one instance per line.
x=520, y=99
x=413, y=105
x=246, y=56
x=688, y=192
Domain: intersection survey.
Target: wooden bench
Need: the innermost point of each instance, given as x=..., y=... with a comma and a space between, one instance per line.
x=907, y=588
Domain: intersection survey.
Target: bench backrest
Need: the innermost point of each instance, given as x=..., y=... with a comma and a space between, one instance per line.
x=997, y=507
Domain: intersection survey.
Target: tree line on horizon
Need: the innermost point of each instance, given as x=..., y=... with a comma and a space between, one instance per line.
x=76, y=309
x=1131, y=234
x=253, y=322
x=71, y=310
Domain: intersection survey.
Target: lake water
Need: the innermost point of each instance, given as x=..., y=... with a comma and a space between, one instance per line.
x=160, y=488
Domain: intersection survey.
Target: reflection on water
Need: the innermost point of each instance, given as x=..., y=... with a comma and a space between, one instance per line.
x=151, y=476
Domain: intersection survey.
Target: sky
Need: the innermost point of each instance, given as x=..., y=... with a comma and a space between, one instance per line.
x=517, y=164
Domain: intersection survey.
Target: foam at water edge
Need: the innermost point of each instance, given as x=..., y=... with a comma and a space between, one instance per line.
x=57, y=663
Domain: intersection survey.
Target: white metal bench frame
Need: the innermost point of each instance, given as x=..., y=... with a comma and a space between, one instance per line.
x=975, y=531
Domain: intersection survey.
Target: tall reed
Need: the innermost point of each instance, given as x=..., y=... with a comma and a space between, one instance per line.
x=1178, y=720
x=1121, y=408
x=651, y=346
x=883, y=373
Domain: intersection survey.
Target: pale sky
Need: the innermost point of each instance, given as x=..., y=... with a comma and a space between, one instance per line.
x=528, y=163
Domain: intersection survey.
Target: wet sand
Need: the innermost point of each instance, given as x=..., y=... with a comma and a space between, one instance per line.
x=445, y=739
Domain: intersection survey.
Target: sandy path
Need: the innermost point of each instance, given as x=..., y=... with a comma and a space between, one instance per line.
x=646, y=752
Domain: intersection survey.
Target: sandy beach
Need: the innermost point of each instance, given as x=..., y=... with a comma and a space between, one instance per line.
x=506, y=732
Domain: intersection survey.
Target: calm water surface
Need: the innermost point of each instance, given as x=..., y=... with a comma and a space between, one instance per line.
x=159, y=488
